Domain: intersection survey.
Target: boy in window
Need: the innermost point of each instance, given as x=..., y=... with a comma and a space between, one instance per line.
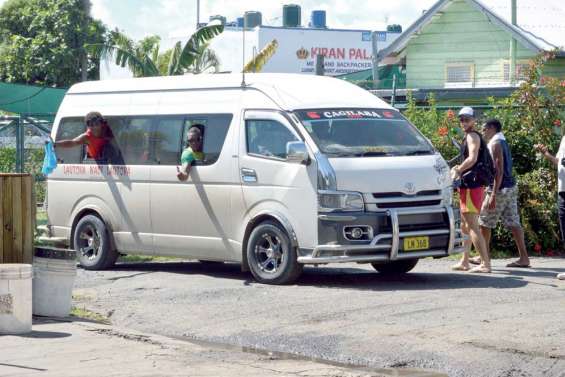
x=192, y=153
x=96, y=137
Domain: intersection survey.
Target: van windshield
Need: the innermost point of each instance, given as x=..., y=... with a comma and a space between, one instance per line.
x=363, y=132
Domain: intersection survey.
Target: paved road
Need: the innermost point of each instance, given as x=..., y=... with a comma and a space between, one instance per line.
x=62, y=348
x=509, y=323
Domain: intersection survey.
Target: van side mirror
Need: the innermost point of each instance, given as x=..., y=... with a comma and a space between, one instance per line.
x=296, y=152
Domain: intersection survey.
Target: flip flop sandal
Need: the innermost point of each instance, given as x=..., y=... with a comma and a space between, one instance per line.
x=459, y=267
x=517, y=265
x=475, y=260
x=480, y=270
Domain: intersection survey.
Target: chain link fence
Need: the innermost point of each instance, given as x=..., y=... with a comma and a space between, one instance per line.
x=22, y=146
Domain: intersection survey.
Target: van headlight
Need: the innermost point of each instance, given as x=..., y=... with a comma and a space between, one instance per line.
x=447, y=196
x=336, y=201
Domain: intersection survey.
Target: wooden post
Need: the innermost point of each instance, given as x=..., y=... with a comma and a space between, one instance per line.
x=17, y=218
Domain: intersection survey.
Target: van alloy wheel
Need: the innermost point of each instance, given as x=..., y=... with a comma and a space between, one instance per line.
x=269, y=253
x=92, y=241
x=89, y=242
x=271, y=257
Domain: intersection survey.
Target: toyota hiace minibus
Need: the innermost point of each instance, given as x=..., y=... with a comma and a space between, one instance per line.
x=297, y=170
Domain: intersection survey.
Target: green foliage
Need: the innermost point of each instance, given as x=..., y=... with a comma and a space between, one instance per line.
x=42, y=41
x=533, y=114
x=143, y=58
x=439, y=126
x=33, y=164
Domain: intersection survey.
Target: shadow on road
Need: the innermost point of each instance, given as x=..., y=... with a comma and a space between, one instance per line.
x=342, y=278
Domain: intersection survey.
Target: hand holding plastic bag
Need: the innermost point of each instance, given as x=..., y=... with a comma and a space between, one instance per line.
x=50, y=160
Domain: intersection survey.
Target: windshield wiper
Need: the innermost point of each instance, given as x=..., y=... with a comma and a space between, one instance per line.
x=419, y=152
x=339, y=154
x=372, y=154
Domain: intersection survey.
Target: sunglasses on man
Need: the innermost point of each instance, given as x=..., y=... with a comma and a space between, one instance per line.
x=94, y=121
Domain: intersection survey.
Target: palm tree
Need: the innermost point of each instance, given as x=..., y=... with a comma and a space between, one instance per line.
x=207, y=59
x=143, y=58
x=259, y=61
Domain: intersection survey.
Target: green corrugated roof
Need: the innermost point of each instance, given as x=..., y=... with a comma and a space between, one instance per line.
x=386, y=74
x=29, y=99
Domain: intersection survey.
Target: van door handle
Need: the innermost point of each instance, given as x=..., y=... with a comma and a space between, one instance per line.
x=248, y=175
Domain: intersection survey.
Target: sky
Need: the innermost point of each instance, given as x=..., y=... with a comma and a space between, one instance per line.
x=176, y=19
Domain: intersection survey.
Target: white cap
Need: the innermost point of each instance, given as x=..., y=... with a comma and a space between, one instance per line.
x=467, y=111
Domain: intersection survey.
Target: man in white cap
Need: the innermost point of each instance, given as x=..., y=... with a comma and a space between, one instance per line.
x=471, y=193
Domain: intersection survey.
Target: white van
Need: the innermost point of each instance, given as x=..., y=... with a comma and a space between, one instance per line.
x=297, y=170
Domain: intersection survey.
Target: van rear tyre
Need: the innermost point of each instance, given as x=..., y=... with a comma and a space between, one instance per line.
x=270, y=255
x=397, y=267
x=92, y=243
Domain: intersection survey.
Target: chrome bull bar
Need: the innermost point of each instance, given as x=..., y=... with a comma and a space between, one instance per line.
x=376, y=252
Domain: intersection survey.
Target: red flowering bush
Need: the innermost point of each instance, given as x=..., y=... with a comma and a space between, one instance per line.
x=532, y=115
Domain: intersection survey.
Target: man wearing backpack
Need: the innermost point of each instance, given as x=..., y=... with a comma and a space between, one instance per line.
x=501, y=200
x=474, y=178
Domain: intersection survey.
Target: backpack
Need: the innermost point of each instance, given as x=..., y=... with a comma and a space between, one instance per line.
x=483, y=172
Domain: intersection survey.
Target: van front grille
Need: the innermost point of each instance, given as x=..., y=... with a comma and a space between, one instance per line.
x=420, y=203
x=387, y=195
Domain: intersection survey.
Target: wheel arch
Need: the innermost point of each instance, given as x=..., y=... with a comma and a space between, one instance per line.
x=258, y=219
x=91, y=211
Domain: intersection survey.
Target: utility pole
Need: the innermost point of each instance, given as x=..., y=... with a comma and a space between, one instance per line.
x=375, y=47
x=513, y=44
x=197, y=14
x=86, y=7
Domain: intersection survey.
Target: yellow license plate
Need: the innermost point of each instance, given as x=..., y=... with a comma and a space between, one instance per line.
x=416, y=243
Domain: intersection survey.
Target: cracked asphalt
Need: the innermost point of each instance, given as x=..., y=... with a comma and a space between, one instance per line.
x=509, y=323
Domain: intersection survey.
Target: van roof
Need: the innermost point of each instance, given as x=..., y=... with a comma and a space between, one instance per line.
x=289, y=91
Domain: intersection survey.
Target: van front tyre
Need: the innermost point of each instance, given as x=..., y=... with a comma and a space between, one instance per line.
x=92, y=244
x=397, y=267
x=270, y=255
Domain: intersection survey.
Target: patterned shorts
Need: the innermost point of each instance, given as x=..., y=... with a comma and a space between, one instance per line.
x=471, y=199
x=506, y=208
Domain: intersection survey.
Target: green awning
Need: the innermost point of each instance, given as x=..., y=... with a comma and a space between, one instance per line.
x=29, y=99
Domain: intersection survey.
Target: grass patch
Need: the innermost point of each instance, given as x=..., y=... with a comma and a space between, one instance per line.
x=41, y=217
x=145, y=258
x=90, y=315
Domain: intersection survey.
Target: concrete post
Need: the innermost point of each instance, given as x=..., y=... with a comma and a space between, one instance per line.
x=375, y=48
x=513, y=46
x=20, y=144
x=320, y=70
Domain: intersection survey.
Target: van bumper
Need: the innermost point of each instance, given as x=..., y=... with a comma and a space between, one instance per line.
x=385, y=246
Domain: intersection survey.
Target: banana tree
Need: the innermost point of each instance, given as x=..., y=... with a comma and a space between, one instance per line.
x=142, y=58
x=258, y=62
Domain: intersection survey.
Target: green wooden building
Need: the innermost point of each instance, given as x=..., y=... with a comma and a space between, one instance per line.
x=459, y=44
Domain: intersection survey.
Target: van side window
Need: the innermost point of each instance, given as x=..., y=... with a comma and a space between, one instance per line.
x=69, y=128
x=133, y=139
x=215, y=131
x=268, y=138
x=167, y=140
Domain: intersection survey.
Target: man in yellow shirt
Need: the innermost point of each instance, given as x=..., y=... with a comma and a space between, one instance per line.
x=192, y=153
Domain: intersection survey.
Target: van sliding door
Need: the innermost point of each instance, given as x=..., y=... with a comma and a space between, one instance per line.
x=192, y=218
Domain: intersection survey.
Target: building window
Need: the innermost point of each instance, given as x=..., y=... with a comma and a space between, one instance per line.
x=459, y=75
x=521, y=71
